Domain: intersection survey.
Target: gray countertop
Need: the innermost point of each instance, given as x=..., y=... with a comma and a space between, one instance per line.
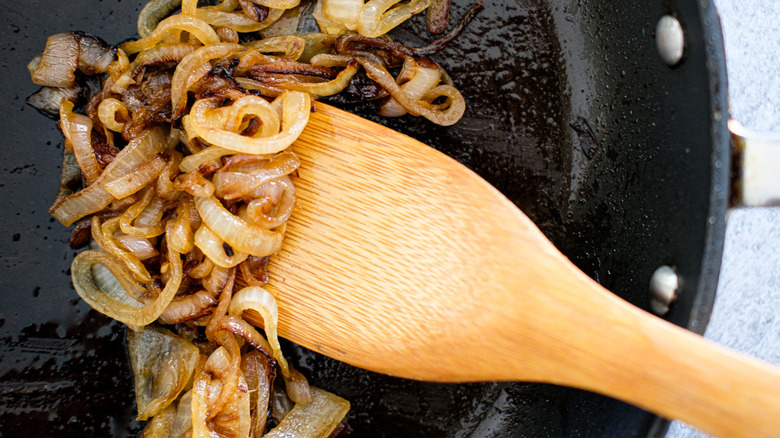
x=746, y=316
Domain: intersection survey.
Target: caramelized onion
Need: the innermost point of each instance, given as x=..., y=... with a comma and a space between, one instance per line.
x=278, y=4
x=186, y=308
x=317, y=419
x=236, y=180
x=153, y=13
x=218, y=405
x=84, y=283
x=238, y=22
x=293, y=109
x=142, y=219
x=298, y=388
x=162, y=364
x=215, y=248
x=196, y=27
x=195, y=161
x=182, y=424
x=95, y=197
x=160, y=425
x=140, y=247
x=254, y=271
x=190, y=69
x=164, y=187
x=201, y=395
x=290, y=46
x=131, y=183
x=420, y=80
x=377, y=17
x=329, y=88
x=198, y=183
x=202, y=269
x=274, y=203
x=344, y=12
x=150, y=57
x=47, y=99
x=104, y=238
x=444, y=115
x=194, y=184
x=236, y=232
x=67, y=52
x=77, y=129
x=258, y=306
x=113, y=114
x=259, y=375
x=180, y=236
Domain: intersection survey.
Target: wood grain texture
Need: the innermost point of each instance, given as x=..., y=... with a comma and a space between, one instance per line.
x=402, y=261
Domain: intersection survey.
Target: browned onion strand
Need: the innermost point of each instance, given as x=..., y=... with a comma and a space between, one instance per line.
x=186, y=166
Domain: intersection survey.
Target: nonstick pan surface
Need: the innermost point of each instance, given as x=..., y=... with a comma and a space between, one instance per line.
x=650, y=191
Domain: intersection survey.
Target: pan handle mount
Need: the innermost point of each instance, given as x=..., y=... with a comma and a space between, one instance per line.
x=755, y=167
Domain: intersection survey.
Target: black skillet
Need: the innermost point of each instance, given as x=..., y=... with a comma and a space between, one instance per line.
x=647, y=189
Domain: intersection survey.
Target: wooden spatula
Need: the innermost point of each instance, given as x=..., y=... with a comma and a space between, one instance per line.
x=400, y=260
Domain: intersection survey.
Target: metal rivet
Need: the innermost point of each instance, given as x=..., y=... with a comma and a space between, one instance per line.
x=663, y=289
x=669, y=39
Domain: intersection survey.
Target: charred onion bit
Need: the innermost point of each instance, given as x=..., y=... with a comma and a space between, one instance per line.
x=586, y=137
x=255, y=11
x=438, y=16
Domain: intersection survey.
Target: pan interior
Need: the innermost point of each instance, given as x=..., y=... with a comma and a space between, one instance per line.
x=527, y=69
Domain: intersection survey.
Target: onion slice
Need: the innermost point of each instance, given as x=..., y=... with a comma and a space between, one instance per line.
x=214, y=248
x=275, y=204
x=108, y=110
x=186, y=308
x=162, y=364
x=329, y=88
x=343, y=12
x=257, y=306
x=235, y=181
x=161, y=424
x=444, y=115
x=194, y=162
x=290, y=46
x=131, y=183
x=84, y=282
x=378, y=17
x=294, y=108
x=140, y=247
x=420, y=81
x=189, y=70
x=196, y=27
x=235, y=231
x=153, y=13
x=77, y=129
x=238, y=22
x=259, y=375
x=142, y=219
x=104, y=238
x=95, y=197
x=67, y=52
x=317, y=419
x=182, y=424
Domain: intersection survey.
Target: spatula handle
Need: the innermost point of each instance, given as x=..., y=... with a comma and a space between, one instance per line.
x=587, y=337
x=680, y=375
